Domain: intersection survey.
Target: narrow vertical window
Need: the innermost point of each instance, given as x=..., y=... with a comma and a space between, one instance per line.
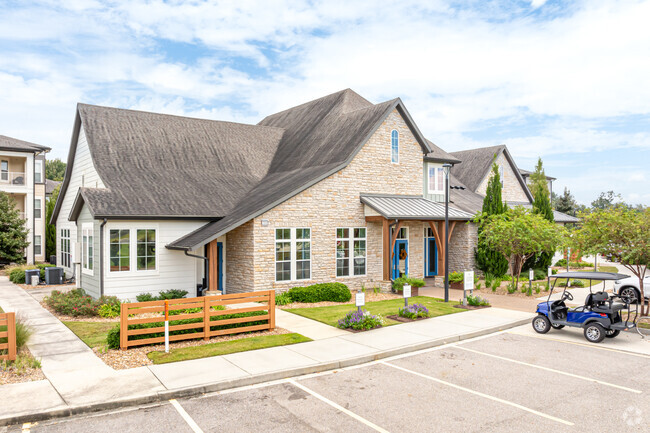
x=342, y=252
x=84, y=249
x=65, y=248
x=38, y=172
x=359, y=251
x=120, y=250
x=394, y=145
x=37, y=208
x=37, y=245
x=303, y=254
x=432, y=179
x=282, y=254
x=87, y=248
x=146, y=250
x=350, y=251
x=4, y=171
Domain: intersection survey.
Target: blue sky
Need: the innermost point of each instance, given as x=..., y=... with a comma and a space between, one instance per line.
x=565, y=81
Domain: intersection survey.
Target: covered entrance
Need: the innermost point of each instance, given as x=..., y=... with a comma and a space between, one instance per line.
x=215, y=255
x=392, y=211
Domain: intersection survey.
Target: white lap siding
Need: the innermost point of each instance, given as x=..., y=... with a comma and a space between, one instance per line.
x=83, y=174
x=88, y=279
x=174, y=270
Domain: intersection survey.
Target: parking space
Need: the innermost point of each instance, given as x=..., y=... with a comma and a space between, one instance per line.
x=506, y=382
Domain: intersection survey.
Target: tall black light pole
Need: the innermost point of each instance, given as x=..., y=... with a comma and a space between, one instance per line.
x=446, y=167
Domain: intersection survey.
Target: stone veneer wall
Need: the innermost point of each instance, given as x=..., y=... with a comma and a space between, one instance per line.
x=334, y=202
x=461, y=247
x=512, y=189
x=240, y=259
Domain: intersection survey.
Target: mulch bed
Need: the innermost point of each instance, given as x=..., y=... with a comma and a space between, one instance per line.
x=471, y=307
x=61, y=287
x=397, y=318
x=10, y=374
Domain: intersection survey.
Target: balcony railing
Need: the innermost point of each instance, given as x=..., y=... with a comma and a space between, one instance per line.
x=12, y=178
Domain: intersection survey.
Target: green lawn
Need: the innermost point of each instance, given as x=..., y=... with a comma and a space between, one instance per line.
x=331, y=315
x=226, y=347
x=91, y=333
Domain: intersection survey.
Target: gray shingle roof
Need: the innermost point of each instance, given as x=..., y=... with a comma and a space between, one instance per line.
x=476, y=164
x=9, y=143
x=526, y=173
x=321, y=137
x=50, y=186
x=411, y=207
x=559, y=217
x=439, y=155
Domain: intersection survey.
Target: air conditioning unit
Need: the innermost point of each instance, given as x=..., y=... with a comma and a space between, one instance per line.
x=76, y=252
x=53, y=275
x=31, y=272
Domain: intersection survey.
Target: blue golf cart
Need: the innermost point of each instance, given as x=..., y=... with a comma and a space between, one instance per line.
x=603, y=315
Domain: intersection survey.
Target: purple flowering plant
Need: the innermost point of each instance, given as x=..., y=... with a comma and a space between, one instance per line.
x=360, y=320
x=414, y=311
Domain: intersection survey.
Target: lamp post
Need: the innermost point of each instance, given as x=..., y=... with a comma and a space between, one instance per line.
x=446, y=167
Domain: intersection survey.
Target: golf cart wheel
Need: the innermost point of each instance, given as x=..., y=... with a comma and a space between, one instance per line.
x=611, y=333
x=595, y=333
x=541, y=324
x=556, y=326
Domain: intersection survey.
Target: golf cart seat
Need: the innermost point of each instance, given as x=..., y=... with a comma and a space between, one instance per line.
x=600, y=303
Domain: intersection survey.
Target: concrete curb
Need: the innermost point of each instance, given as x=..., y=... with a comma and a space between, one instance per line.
x=245, y=381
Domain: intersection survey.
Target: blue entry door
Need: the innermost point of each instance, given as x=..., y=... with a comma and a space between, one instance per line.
x=431, y=250
x=400, y=258
x=220, y=267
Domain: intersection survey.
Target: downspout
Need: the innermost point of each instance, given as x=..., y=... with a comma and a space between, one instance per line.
x=101, y=257
x=207, y=268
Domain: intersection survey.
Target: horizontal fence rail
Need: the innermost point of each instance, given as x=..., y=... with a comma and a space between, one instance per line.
x=204, y=317
x=8, y=336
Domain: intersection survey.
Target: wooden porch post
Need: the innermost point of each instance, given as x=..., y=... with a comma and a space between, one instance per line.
x=213, y=263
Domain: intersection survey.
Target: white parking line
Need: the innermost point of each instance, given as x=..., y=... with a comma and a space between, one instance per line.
x=589, y=345
x=188, y=419
x=338, y=407
x=589, y=379
x=27, y=426
x=480, y=394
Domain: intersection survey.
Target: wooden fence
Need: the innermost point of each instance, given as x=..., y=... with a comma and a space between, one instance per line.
x=8, y=322
x=197, y=322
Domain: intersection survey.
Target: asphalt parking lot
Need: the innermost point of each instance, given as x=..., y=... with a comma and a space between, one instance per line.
x=506, y=382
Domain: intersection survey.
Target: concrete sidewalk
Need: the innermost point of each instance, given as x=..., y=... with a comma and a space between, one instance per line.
x=77, y=381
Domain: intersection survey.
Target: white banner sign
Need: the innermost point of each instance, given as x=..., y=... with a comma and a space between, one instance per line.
x=531, y=275
x=468, y=280
x=407, y=291
x=360, y=299
x=550, y=271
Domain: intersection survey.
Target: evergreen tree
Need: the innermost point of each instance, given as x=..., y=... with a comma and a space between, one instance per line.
x=541, y=206
x=50, y=229
x=566, y=203
x=487, y=260
x=13, y=234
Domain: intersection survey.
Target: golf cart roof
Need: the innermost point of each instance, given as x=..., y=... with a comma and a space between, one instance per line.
x=601, y=276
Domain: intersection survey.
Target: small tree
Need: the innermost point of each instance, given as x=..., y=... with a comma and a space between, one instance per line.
x=607, y=200
x=489, y=260
x=622, y=235
x=519, y=234
x=541, y=206
x=566, y=203
x=50, y=229
x=13, y=234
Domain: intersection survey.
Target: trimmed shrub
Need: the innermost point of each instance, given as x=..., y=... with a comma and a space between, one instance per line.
x=164, y=295
x=477, y=301
x=283, y=299
x=145, y=297
x=398, y=284
x=108, y=311
x=74, y=303
x=17, y=274
x=360, y=320
x=333, y=292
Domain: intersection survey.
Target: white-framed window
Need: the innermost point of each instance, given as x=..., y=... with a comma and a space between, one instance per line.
x=37, y=245
x=65, y=248
x=4, y=170
x=292, y=254
x=402, y=234
x=38, y=208
x=87, y=248
x=436, y=180
x=146, y=249
x=38, y=171
x=394, y=146
x=120, y=250
x=350, y=251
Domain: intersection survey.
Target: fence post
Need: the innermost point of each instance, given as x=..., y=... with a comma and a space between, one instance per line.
x=272, y=309
x=11, y=338
x=124, y=327
x=206, y=318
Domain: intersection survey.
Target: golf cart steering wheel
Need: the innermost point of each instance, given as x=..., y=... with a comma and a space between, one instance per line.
x=567, y=296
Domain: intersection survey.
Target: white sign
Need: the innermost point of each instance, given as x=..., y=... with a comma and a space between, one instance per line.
x=468, y=280
x=531, y=275
x=360, y=299
x=550, y=271
x=407, y=291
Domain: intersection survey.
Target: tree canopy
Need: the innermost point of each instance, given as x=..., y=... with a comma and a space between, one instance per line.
x=541, y=206
x=566, y=203
x=489, y=260
x=518, y=234
x=54, y=169
x=50, y=229
x=13, y=234
x=621, y=234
